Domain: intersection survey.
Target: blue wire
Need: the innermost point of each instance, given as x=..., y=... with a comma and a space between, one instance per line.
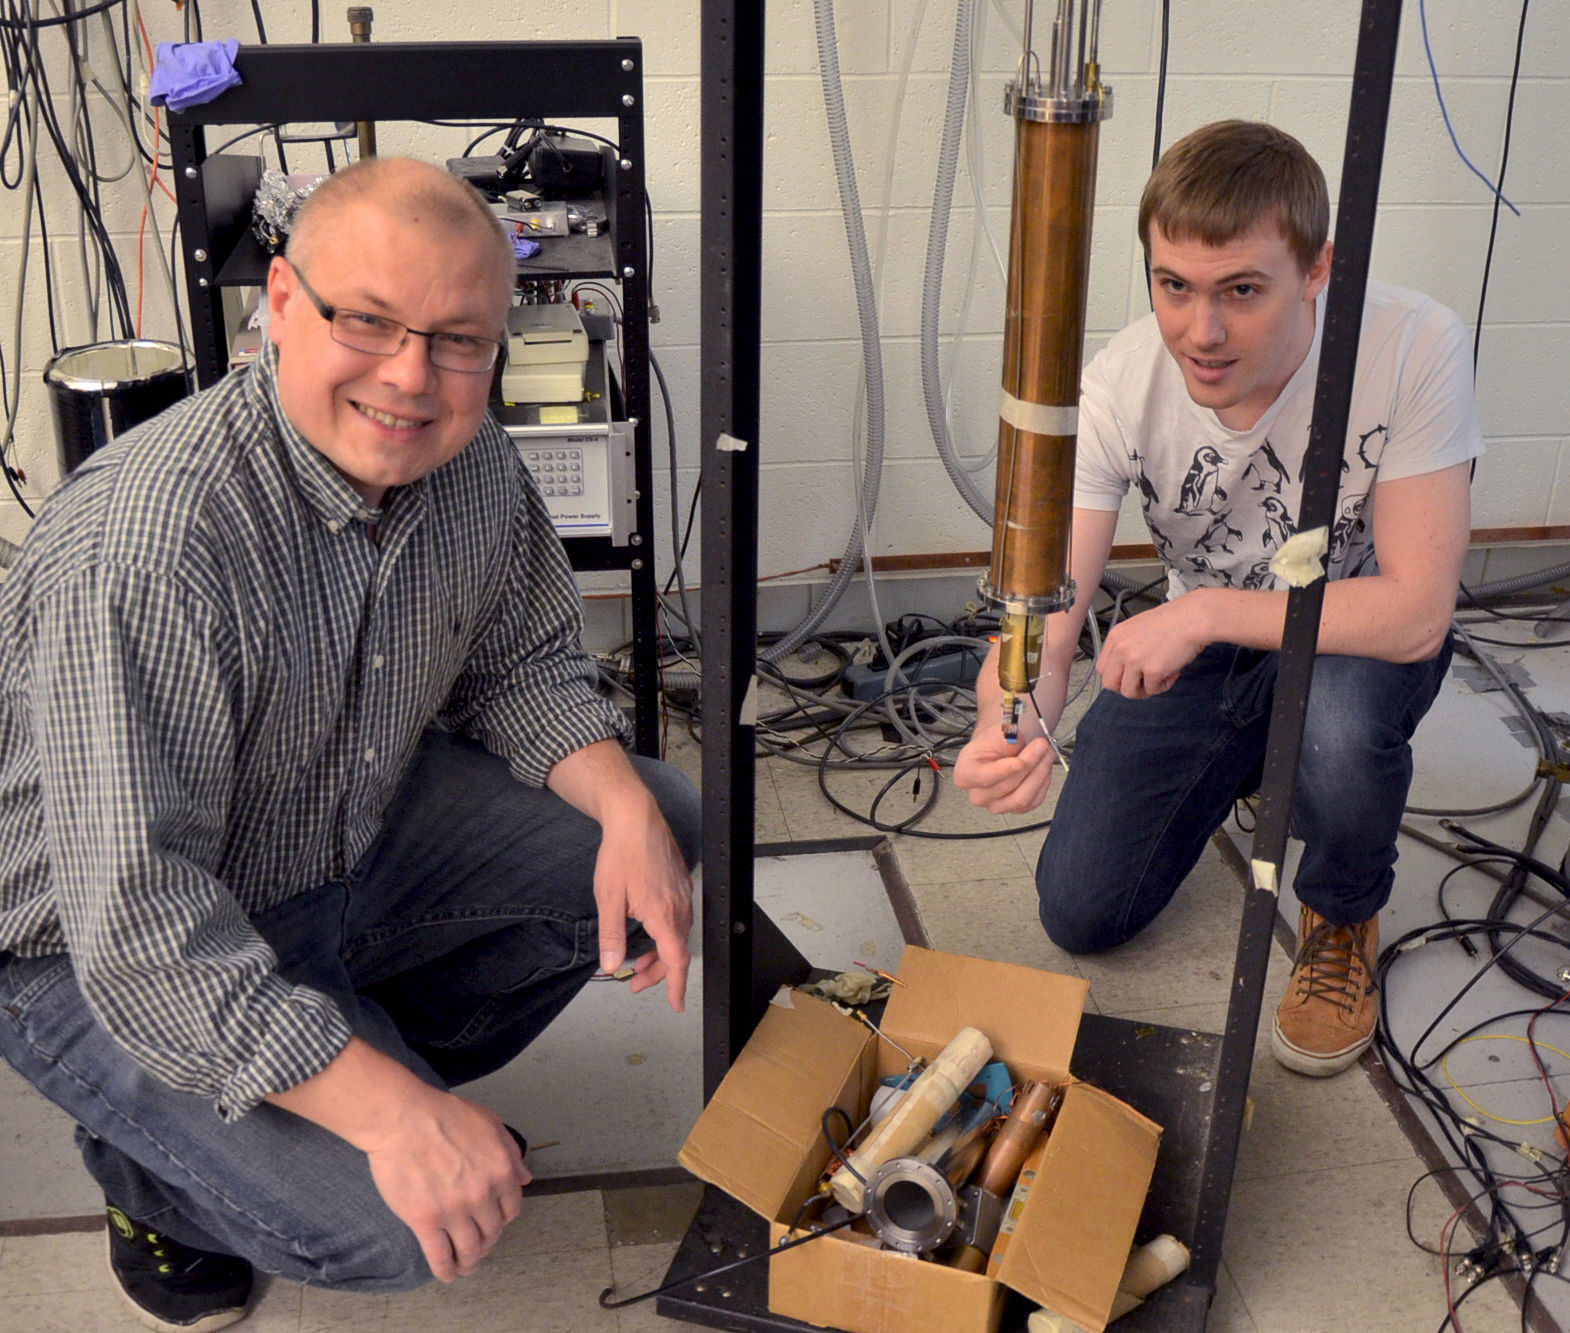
x=1422, y=14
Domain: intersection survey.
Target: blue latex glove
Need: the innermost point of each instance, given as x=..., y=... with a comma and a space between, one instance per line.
x=190, y=73
x=524, y=248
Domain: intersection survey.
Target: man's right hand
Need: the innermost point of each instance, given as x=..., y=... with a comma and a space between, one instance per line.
x=1007, y=779
x=450, y=1170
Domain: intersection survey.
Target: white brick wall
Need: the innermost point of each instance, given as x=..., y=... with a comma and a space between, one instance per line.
x=1286, y=60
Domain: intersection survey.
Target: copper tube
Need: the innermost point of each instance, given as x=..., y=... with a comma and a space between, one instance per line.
x=1028, y=1119
x=968, y=1259
x=1043, y=344
x=360, y=17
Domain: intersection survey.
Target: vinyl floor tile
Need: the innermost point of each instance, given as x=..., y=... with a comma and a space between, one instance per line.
x=990, y=918
x=41, y=1172
x=1184, y=957
x=640, y=1268
x=342, y=1311
x=95, y=1311
x=650, y=1216
x=1325, y=1250
x=275, y=1306
x=1228, y=1313
x=527, y=1293
x=936, y=862
x=38, y=1265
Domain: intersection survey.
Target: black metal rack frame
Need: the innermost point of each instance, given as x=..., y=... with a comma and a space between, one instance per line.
x=427, y=81
x=1193, y=1184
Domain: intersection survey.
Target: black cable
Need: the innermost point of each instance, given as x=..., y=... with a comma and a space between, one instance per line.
x=1499, y=185
x=1507, y=643
x=261, y=28
x=248, y=134
x=837, y=1151
x=905, y=767
x=692, y=513
x=316, y=21
x=607, y=1304
x=33, y=25
x=1161, y=105
x=670, y=440
x=1161, y=80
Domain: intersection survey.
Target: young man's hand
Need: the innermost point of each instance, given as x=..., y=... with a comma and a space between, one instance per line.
x=1004, y=778
x=1144, y=654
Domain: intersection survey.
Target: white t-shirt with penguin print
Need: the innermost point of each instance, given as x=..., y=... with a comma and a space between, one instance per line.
x=1219, y=502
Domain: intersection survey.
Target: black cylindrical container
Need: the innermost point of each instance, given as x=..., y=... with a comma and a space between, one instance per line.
x=101, y=390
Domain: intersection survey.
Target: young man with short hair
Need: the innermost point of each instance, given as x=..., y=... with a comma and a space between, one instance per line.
x=1205, y=406
x=310, y=807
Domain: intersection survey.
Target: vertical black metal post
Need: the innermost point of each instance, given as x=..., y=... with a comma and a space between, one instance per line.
x=731, y=296
x=1365, y=150
x=632, y=266
x=187, y=151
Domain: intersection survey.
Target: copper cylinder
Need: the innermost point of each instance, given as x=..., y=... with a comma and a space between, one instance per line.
x=1028, y=1120
x=1043, y=345
x=968, y=1259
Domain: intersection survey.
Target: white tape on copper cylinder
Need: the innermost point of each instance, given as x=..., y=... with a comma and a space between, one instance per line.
x=1038, y=418
x=936, y=1089
x=1301, y=558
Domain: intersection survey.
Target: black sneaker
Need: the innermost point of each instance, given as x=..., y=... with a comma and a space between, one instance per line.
x=172, y=1287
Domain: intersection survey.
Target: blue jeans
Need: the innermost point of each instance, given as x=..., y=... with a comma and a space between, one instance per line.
x=461, y=934
x=1152, y=779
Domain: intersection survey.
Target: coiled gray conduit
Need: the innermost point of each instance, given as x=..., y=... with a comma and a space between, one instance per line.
x=871, y=341
x=937, y=246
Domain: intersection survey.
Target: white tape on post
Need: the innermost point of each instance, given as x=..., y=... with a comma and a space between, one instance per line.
x=729, y=444
x=1038, y=418
x=1300, y=559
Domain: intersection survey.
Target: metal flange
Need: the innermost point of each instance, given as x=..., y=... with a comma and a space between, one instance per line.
x=1033, y=104
x=1036, y=604
x=911, y=1205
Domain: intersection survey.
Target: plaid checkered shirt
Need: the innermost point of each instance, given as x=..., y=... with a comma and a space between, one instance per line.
x=213, y=673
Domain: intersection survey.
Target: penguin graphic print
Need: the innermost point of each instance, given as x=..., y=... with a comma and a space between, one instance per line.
x=1201, y=492
x=1278, y=523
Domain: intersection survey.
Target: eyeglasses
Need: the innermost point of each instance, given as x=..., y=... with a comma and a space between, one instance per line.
x=385, y=337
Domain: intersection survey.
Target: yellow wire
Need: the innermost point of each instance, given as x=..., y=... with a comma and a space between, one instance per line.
x=1444, y=1065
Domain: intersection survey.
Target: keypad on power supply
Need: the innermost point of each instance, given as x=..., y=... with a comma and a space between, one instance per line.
x=558, y=471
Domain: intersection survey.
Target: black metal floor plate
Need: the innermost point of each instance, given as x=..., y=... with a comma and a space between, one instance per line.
x=1165, y=1073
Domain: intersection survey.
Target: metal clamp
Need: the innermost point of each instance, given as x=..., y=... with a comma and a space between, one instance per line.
x=1032, y=104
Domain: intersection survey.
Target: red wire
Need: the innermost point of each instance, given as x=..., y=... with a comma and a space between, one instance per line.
x=1450, y=1222
x=1444, y=1262
x=1531, y=1045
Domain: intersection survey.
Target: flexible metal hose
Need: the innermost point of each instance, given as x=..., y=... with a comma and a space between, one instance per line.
x=871, y=340
x=937, y=247
x=1521, y=582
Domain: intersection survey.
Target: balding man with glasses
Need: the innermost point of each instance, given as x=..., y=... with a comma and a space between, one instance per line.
x=310, y=809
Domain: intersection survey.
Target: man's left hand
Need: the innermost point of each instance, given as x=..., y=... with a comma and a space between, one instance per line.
x=640, y=874
x=1143, y=655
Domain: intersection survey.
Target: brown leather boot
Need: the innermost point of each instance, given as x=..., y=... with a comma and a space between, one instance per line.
x=1326, y=1019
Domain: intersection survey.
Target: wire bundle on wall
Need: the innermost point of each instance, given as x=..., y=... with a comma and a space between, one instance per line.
x=32, y=126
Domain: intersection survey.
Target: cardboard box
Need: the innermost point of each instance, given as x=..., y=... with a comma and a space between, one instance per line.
x=760, y=1140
